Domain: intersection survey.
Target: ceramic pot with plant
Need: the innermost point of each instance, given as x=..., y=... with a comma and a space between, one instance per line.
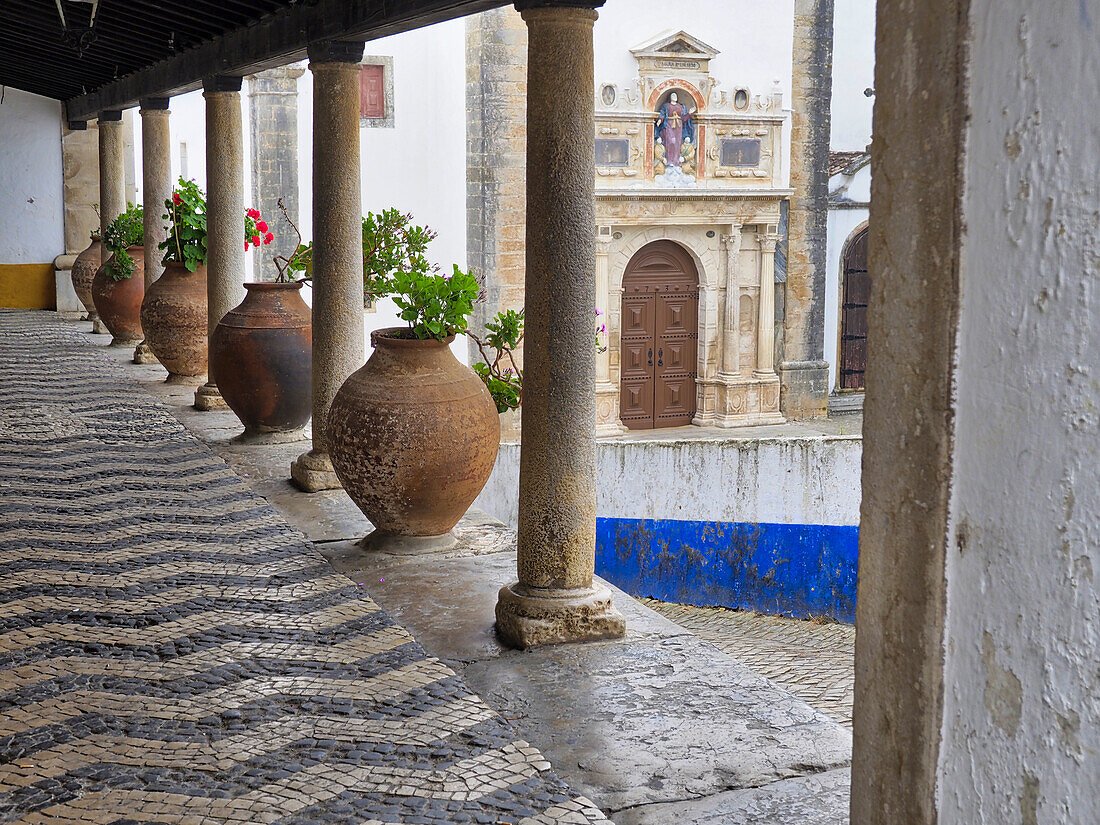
x=119, y=283
x=262, y=350
x=83, y=271
x=173, y=313
x=413, y=434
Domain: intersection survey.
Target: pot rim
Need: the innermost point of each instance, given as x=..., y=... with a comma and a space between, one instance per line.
x=380, y=336
x=270, y=286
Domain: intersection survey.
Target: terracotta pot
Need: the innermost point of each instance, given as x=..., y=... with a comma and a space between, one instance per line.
x=173, y=316
x=83, y=271
x=413, y=437
x=119, y=302
x=261, y=358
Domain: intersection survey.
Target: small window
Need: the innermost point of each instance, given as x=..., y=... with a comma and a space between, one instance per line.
x=741, y=99
x=376, y=92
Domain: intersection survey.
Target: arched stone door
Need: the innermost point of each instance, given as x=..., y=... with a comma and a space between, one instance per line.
x=659, y=339
x=853, y=315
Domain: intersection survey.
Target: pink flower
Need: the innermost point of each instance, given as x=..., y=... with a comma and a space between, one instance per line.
x=603, y=329
x=598, y=311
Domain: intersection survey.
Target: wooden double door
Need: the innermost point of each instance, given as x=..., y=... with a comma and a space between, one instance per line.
x=659, y=340
x=853, y=320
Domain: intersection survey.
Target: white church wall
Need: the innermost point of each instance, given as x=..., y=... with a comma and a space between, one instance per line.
x=32, y=217
x=853, y=72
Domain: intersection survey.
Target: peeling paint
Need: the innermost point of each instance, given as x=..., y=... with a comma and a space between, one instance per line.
x=1003, y=693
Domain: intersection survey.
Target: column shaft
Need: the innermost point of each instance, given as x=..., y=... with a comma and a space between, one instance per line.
x=338, y=338
x=765, y=325
x=224, y=214
x=731, y=336
x=554, y=600
x=156, y=185
x=112, y=184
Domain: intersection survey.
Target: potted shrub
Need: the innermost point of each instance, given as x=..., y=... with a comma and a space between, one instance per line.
x=83, y=271
x=119, y=283
x=413, y=434
x=262, y=350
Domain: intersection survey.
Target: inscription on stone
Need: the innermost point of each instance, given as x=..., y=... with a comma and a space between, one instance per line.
x=612, y=152
x=668, y=63
x=739, y=152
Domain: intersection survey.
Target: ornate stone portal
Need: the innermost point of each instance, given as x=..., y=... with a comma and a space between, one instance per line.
x=718, y=199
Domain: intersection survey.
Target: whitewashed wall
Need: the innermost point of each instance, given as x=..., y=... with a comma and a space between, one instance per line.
x=842, y=225
x=755, y=40
x=1021, y=716
x=32, y=215
x=751, y=480
x=853, y=72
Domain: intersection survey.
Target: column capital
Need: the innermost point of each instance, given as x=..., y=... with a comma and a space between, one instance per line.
x=335, y=51
x=524, y=5
x=110, y=116
x=154, y=104
x=221, y=83
x=767, y=242
x=77, y=125
x=732, y=240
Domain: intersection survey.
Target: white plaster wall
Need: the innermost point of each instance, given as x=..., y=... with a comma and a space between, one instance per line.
x=32, y=215
x=755, y=40
x=1021, y=729
x=779, y=481
x=853, y=71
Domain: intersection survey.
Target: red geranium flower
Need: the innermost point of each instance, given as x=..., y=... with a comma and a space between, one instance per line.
x=261, y=226
x=176, y=199
x=246, y=246
x=256, y=240
x=253, y=213
x=269, y=237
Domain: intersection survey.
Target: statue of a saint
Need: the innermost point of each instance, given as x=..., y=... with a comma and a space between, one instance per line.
x=673, y=125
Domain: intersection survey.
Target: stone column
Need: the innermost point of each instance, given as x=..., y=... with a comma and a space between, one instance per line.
x=804, y=372
x=224, y=215
x=765, y=325
x=607, y=393
x=273, y=127
x=156, y=184
x=112, y=183
x=731, y=334
x=338, y=339
x=556, y=598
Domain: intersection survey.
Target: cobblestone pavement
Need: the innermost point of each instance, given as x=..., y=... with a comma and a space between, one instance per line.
x=812, y=660
x=172, y=651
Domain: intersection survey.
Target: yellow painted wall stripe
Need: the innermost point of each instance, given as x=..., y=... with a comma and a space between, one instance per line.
x=27, y=286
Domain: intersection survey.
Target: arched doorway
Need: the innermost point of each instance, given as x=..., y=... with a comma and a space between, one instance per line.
x=659, y=337
x=853, y=314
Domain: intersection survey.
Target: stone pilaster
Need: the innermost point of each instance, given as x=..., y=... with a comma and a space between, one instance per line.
x=496, y=137
x=224, y=215
x=607, y=393
x=556, y=598
x=765, y=325
x=338, y=341
x=803, y=372
x=156, y=186
x=112, y=183
x=731, y=243
x=273, y=126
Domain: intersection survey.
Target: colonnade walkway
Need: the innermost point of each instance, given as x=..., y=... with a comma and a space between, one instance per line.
x=171, y=650
x=185, y=638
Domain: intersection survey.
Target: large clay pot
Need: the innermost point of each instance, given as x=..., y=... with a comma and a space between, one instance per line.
x=261, y=357
x=119, y=302
x=83, y=271
x=173, y=316
x=413, y=437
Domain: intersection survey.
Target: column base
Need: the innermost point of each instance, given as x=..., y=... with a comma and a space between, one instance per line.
x=124, y=343
x=312, y=472
x=607, y=410
x=382, y=542
x=185, y=380
x=746, y=402
x=98, y=327
x=70, y=315
x=143, y=354
x=209, y=398
x=533, y=616
x=805, y=389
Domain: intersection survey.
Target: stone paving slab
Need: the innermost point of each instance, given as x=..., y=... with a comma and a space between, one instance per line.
x=171, y=650
x=813, y=660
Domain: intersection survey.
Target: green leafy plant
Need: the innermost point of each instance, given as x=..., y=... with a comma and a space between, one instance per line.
x=435, y=305
x=501, y=375
x=126, y=230
x=186, y=241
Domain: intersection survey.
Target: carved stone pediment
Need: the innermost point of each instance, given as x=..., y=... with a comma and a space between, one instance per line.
x=675, y=52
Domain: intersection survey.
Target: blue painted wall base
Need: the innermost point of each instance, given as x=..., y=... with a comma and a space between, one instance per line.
x=800, y=570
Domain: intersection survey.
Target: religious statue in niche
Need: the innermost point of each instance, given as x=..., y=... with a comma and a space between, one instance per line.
x=675, y=144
